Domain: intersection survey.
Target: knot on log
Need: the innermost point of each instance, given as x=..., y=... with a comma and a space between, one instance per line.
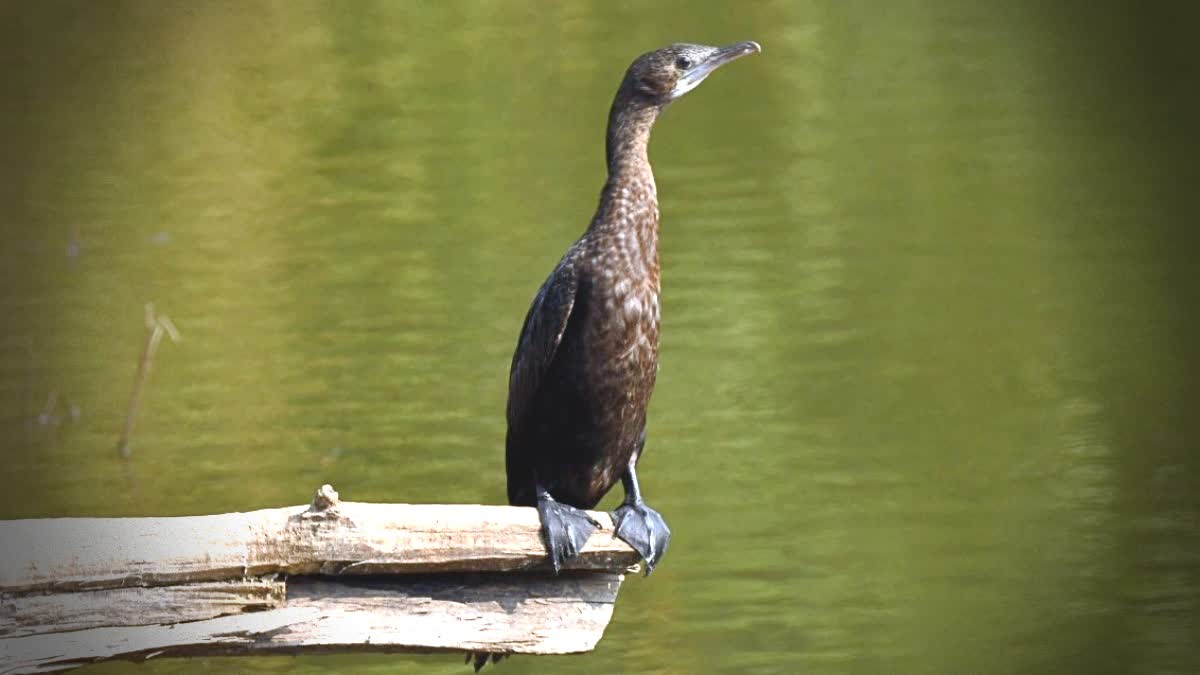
x=324, y=505
x=325, y=499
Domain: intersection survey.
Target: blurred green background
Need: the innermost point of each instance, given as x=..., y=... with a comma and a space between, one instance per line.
x=928, y=399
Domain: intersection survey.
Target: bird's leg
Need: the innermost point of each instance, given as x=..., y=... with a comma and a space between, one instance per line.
x=564, y=528
x=639, y=525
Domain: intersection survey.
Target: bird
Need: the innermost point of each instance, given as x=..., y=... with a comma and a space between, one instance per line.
x=586, y=361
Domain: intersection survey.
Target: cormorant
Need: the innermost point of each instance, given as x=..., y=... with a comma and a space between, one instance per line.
x=586, y=361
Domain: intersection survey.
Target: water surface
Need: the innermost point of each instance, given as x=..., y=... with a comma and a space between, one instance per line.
x=927, y=398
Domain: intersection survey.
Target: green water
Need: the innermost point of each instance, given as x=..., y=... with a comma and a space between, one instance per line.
x=928, y=398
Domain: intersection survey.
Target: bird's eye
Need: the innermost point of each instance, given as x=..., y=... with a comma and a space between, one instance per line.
x=683, y=63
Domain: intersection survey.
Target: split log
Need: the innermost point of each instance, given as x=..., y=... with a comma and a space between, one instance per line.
x=39, y=613
x=331, y=577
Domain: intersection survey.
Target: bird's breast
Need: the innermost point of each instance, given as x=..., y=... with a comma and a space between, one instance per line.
x=622, y=335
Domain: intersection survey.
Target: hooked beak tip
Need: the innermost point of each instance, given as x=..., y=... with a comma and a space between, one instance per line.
x=737, y=51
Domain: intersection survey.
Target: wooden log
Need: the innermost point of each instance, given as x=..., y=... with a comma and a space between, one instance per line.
x=394, y=577
x=495, y=613
x=336, y=538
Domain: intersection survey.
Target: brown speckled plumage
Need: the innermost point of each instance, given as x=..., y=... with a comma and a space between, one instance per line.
x=575, y=422
x=587, y=359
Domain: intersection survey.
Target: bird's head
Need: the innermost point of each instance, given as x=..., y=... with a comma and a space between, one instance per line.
x=663, y=75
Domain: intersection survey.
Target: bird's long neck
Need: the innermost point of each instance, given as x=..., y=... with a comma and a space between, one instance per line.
x=629, y=125
x=628, y=214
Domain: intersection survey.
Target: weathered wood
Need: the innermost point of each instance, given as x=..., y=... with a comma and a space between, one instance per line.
x=345, y=538
x=77, y=590
x=40, y=612
x=527, y=614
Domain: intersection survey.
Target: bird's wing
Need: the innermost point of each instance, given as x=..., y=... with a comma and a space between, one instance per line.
x=540, y=337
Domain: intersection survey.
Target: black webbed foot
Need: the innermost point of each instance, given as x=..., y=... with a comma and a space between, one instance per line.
x=565, y=529
x=481, y=659
x=642, y=528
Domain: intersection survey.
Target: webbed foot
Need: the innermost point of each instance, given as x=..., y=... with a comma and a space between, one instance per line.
x=642, y=528
x=565, y=529
x=481, y=658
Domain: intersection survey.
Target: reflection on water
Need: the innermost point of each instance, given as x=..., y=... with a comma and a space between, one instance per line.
x=925, y=403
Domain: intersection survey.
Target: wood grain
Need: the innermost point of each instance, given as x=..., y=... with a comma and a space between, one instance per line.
x=330, y=577
x=351, y=538
x=496, y=613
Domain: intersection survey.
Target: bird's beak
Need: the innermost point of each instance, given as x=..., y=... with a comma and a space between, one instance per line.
x=726, y=54
x=716, y=59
